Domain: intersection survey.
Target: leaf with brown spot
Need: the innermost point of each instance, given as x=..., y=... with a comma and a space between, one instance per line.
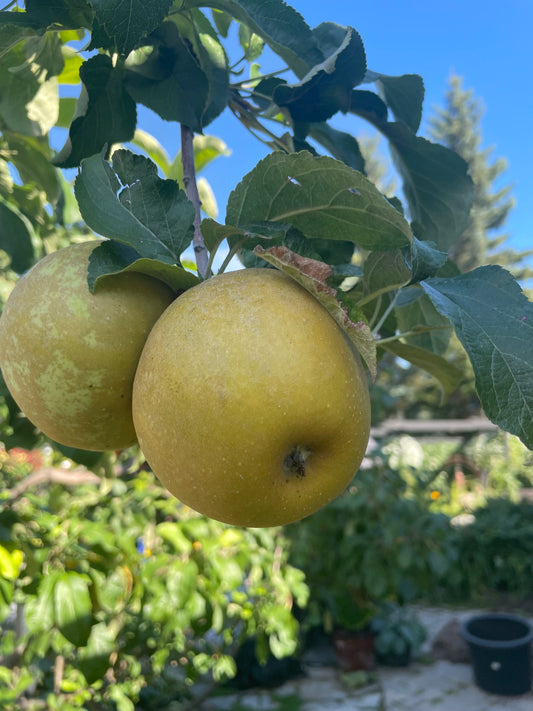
x=313, y=276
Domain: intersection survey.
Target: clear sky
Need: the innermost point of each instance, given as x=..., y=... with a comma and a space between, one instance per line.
x=486, y=42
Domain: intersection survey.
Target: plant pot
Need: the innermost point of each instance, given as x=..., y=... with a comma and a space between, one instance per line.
x=500, y=651
x=391, y=659
x=354, y=650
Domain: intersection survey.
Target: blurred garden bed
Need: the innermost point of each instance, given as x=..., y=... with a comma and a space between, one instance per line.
x=112, y=594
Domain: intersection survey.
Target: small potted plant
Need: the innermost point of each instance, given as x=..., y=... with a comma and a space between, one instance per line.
x=353, y=637
x=398, y=634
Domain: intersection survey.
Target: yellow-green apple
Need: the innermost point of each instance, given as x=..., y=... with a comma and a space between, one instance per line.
x=249, y=402
x=68, y=356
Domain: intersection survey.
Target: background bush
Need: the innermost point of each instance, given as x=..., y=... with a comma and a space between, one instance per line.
x=376, y=542
x=114, y=594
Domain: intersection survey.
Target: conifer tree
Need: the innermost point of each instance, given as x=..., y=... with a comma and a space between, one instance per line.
x=457, y=125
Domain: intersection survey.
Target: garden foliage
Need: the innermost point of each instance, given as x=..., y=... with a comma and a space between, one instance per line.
x=120, y=595
x=111, y=592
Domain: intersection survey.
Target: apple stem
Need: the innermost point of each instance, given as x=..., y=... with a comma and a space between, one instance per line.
x=191, y=190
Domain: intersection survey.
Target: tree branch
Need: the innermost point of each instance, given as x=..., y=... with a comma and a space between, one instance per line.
x=53, y=475
x=191, y=189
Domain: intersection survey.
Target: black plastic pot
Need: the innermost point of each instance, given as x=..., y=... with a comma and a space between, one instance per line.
x=500, y=651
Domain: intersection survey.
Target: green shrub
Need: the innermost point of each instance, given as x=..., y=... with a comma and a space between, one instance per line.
x=495, y=552
x=126, y=596
x=372, y=544
x=505, y=461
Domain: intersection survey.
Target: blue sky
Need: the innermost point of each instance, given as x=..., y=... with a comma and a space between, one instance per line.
x=487, y=43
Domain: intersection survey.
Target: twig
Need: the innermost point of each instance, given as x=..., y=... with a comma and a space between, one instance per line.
x=191, y=189
x=53, y=475
x=59, y=669
x=386, y=313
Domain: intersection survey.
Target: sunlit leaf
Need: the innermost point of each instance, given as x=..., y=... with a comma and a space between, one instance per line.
x=105, y=113
x=130, y=203
x=73, y=607
x=127, y=22
x=321, y=197
x=279, y=24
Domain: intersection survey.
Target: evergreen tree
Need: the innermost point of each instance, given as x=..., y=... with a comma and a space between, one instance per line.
x=458, y=126
x=378, y=168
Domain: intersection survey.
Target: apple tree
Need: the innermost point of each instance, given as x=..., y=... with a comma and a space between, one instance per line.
x=379, y=265
x=307, y=197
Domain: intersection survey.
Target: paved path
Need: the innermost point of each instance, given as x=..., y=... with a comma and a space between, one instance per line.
x=436, y=686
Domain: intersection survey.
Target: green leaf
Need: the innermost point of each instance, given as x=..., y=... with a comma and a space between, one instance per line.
x=181, y=78
x=120, y=698
x=93, y=660
x=313, y=276
x=383, y=272
x=222, y=21
x=171, y=532
x=115, y=591
x=73, y=608
x=493, y=320
x=67, y=111
x=6, y=597
x=154, y=150
x=11, y=34
x=436, y=184
x=112, y=257
x=207, y=198
x=368, y=105
x=31, y=158
x=126, y=23
x=105, y=113
x=426, y=261
x=68, y=13
x=10, y=563
x=447, y=374
x=251, y=43
x=321, y=197
x=149, y=214
x=72, y=64
x=16, y=237
x=40, y=610
x=90, y=460
x=46, y=51
x=214, y=233
x=404, y=95
x=415, y=310
x=342, y=146
x=168, y=79
x=280, y=25
x=28, y=104
x=438, y=563
x=327, y=88
x=211, y=56
x=206, y=149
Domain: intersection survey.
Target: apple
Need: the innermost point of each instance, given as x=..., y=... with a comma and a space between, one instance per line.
x=68, y=357
x=250, y=404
